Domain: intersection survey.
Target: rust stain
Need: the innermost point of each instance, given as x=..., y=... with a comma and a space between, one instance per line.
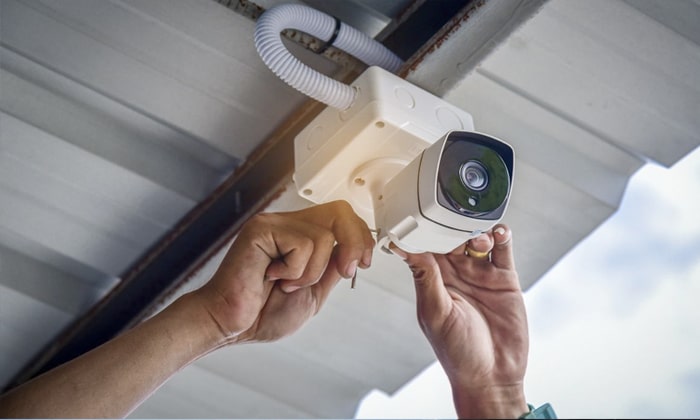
x=436, y=42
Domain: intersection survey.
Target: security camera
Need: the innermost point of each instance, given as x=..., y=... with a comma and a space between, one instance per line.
x=411, y=164
x=454, y=190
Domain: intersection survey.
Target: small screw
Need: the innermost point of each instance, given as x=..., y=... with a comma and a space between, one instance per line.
x=354, y=278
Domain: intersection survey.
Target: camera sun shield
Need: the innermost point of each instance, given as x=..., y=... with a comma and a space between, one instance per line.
x=463, y=184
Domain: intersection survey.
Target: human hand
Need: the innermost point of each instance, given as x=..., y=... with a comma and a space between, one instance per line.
x=281, y=268
x=303, y=252
x=473, y=314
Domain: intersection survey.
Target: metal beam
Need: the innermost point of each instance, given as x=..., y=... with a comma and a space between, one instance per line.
x=466, y=40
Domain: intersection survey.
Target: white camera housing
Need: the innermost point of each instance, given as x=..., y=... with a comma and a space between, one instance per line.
x=370, y=155
x=416, y=212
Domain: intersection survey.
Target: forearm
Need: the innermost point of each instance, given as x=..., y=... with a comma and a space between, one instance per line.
x=495, y=402
x=113, y=379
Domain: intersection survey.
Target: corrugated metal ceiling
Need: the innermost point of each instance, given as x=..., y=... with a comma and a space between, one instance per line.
x=118, y=117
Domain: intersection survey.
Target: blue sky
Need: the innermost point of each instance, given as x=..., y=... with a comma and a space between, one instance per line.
x=615, y=325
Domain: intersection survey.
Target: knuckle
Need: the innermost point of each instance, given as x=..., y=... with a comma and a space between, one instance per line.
x=260, y=219
x=343, y=209
x=296, y=271
x=341, y=205
x=420, y=274
x=326, y=236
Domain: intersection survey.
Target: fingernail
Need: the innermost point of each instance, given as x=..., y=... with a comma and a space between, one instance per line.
x=504, y=236
x=290, y=288
x=351, y=270
x=367, y=259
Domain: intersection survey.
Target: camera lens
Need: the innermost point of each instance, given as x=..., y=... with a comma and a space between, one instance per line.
x=474, y=176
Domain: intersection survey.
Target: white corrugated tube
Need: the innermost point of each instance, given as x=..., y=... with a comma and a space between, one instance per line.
x=310, y=82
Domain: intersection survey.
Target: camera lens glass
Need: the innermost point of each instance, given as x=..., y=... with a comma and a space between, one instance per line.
x=473, y=176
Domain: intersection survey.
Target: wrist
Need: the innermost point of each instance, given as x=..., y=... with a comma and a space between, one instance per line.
x=502, y=401
x=194, y=325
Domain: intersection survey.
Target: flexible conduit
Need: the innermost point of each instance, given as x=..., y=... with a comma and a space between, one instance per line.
x=322, y=26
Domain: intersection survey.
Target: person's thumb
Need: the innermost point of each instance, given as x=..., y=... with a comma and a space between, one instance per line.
x=432, y=300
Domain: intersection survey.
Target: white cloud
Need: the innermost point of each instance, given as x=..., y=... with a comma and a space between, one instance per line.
x=669, y=195
x=627, y=343
x=598, y=366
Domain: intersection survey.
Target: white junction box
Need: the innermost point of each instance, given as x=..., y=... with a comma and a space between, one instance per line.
x=351, y=154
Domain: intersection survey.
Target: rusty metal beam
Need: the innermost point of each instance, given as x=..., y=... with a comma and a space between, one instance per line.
x=252, y=11
x=465, y=41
